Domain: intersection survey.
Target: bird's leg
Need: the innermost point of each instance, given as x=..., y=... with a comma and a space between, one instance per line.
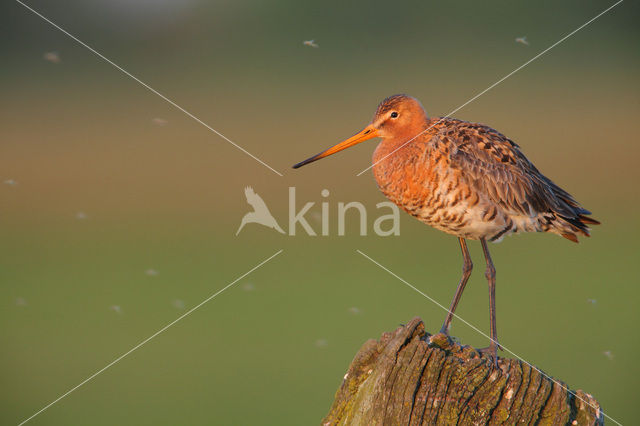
x=490, y=273
x=467, y=266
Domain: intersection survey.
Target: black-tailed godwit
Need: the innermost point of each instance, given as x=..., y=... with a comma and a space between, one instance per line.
x=465, y=179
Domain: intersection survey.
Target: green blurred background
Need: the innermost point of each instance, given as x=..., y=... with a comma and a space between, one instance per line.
x=112, y=224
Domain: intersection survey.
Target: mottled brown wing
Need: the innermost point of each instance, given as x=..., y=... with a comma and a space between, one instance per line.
x=493, y=165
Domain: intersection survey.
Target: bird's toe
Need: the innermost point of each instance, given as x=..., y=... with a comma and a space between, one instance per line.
x=492, y=351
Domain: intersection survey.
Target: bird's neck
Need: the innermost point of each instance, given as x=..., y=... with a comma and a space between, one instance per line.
x=393, y=152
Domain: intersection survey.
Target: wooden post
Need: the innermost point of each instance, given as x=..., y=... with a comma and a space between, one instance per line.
x=410, y=377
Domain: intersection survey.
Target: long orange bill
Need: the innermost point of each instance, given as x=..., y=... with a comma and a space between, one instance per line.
x=367, y=133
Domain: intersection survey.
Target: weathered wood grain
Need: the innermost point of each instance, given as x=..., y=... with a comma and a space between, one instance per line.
x=410, y=377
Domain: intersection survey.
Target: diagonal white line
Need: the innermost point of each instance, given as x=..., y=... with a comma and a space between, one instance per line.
x=149, y=87
x=151, y=337
x=496, y=83
x=485, y=335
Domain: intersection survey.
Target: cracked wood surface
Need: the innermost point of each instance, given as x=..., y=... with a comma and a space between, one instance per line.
x=410, y=377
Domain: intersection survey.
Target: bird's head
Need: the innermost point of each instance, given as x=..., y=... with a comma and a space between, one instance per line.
x=398, y=116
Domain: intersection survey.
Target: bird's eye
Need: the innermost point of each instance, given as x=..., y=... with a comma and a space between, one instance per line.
x=394, y=114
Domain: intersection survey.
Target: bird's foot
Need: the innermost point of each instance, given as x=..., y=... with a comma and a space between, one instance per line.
x=492, y=351
x=444, y=334
x=444, y=329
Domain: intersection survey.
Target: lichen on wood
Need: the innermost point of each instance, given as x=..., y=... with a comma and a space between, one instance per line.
x=411, y=377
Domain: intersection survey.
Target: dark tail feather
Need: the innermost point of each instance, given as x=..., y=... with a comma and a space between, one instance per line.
x=588, y=220
x=571, y=237
x=577, y=226
x=571, y=219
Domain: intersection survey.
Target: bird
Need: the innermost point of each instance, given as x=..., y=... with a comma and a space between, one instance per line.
x=310, y=43
x=467, y=180
x=522, y=40
x=260, y=213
